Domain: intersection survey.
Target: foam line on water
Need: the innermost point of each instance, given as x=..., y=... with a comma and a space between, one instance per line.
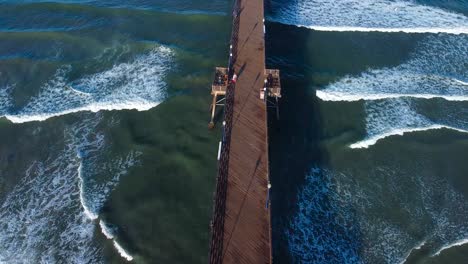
x=91, y=215
x=109, y=234
x=435, y=69
x=106, y=230
x=138, y=84
x=369, y=15
x=345, y=97
x=391, y=117
x=462, y=82
x=319, y=232
x=455, y=31
x=57, y=200
x=454, y=244
x=122, y=251
x=44, y=211
x=399, y=132
x=417, y=247
x=94, y=107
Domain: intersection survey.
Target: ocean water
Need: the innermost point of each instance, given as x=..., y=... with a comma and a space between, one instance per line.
x=369, y=154
x=105, y=155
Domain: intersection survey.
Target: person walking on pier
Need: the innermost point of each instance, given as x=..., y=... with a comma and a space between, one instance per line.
x=234, y=79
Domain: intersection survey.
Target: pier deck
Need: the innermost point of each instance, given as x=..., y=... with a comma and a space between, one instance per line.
x=246, y=229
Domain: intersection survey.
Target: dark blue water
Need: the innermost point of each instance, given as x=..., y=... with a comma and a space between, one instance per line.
x=368, y=157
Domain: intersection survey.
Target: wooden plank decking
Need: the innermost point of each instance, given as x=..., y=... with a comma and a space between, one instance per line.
x=246, y=237
x=247, y=220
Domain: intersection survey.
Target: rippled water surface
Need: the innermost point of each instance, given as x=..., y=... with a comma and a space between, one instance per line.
x=368, y=158
x=105, y=155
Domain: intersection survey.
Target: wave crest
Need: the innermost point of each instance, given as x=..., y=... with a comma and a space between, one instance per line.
x=369, y=15
x=135, y=85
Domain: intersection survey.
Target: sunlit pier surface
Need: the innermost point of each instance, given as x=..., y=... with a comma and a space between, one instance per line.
x=240, y=228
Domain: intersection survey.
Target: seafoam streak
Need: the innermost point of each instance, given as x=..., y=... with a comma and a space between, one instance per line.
x=436, y=69
x=122, y=251
x=109, y=234
x=455, y=244
x=134, y=85
x=393, y=117
x=48, y=216
x=369, y=15
x=399, y=132
x=43, y=217
x=106, y=230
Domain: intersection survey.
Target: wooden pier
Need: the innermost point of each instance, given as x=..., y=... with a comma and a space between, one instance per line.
x=240, y=228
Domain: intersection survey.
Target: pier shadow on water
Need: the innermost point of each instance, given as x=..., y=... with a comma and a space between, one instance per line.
x=298, y=159
x=293, y=140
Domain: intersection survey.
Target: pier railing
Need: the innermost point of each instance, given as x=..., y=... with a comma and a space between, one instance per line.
x=219, y=208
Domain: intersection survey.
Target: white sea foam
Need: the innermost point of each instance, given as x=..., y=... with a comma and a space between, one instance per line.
x=106, y=230
x=109, y=234
x=369, y=15
x=434, y=70
x=44, y=209
x=134, y=85
x=91, y=215
x=454, y=244
x=421, y=30
x=461, y=82
x=122, y=251
x=345, y=218
x=5, y=98
x=342, y=96
x=400, y=132
x=418, y=246
x=398, y=116
x=48, y=216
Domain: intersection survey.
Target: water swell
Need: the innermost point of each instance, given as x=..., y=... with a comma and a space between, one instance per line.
x=393, y=117
x=368, y=16
x=399, y=132
x=435, y=70
x=135, y=85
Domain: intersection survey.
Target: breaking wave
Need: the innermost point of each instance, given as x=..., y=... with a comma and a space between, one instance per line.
x=398, y=116
x=108, y=232
x=122, y=251
x=455, y=244
x=135, y=85
x=436, y=69
x=399, y=132
x=339, y=220
x=369, y=15
x=48, y=217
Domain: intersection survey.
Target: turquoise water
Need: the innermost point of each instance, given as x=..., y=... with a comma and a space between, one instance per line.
x=106, y=157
